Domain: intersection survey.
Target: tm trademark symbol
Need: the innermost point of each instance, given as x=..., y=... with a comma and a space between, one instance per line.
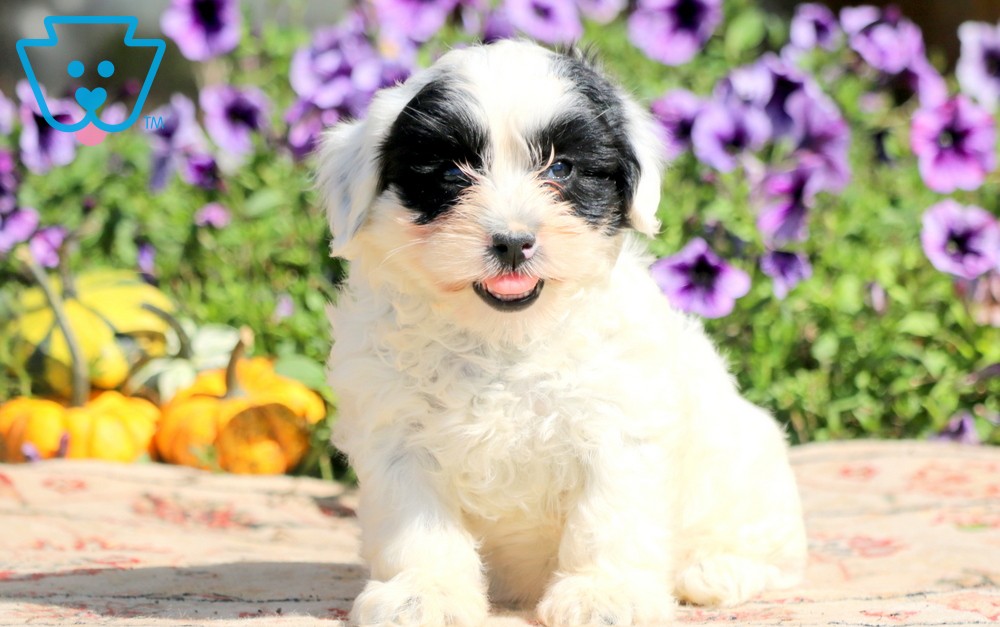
x=153, y=123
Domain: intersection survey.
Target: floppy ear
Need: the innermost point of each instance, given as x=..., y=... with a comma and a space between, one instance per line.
x=648, y=147
x=348, y=180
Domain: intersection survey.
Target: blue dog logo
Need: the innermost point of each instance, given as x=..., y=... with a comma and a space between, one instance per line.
x=90, y=129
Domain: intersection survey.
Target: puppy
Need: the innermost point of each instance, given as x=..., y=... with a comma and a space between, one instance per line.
x=530, y=422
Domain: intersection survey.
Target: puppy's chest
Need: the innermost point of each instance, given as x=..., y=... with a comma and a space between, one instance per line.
x=510, y=439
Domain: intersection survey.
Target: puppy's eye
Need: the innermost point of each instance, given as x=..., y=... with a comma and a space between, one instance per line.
x=558, y=170
x=454, y=176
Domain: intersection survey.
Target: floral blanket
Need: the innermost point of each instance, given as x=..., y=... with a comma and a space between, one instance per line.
x=901, y=533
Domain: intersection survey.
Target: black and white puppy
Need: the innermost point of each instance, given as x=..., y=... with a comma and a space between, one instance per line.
x=529, y=420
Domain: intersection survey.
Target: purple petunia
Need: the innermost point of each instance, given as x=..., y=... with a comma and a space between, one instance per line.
x=673, y=31
x=964, y=241
x=786, y=198
x=978, y=69
x=214, y=215
x=283, y=309
x=885, y=40
x=341, y=69
x=497, y=26
x=601, y=11
x=721, y=133
x=203, y=29
x=961, y=429
x=305, y=124
x=201, y=170
x=145, y=258
x=676, y=112
x=955, y=144
x=178, y=136
x=699, y=281
x=788, y=269
x=551, y=21
x=233, y=115
x=418, y=20
x=815, y=26
x=43, y=147
x=45, y=244
x=8, y=182
x=821, y=138
x=16, y=226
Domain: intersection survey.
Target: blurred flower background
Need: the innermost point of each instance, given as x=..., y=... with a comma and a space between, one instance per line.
x=831, y=206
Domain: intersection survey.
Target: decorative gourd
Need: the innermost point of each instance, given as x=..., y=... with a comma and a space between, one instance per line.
x=254, y=419
x=113, y=315
x=106, y=425
x=190, y=350
x=111, y=427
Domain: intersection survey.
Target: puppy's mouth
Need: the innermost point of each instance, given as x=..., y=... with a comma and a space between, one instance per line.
x=509, y=292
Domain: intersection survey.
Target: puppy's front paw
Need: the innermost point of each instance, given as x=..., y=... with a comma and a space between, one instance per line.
x=582, y=600
x=410, y=600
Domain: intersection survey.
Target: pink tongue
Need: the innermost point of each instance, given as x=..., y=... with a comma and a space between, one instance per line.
x=510, y=284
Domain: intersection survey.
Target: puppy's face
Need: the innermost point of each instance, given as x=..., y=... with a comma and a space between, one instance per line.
x=496, y=185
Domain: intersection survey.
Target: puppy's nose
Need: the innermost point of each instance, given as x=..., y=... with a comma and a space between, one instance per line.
x=513, y=249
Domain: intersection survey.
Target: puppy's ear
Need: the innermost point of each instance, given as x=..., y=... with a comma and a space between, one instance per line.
x=646, y=142
x=348, y=180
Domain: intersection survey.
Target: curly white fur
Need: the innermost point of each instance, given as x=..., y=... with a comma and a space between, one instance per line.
x=591, y=454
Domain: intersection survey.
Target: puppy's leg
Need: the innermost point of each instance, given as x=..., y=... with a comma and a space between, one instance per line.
x=615, y=555
x=742, y=530
x=425, y=569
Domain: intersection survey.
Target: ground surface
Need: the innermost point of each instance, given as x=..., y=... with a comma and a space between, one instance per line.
x=901, y=533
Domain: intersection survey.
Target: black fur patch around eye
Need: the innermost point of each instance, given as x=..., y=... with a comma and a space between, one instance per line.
x=433, y=133
x=594, y=138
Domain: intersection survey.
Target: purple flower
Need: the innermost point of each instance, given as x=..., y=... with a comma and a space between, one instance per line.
x=305, y=124
x=815, y=25
x=955, y=144
x=214, y=215
x=601, y=11
x=203, y=29
x=233, y=115
x=885, y=40
x=497, y=26
x=786, y=200
x=341, y=69
x=418, y=20
x=961, y=429
x=787, y=269
x=16, y=226
x=201, y=170
x=178, y=135
x=721, y=133
x=982, y=295
x=673, y=31
x=43, y=147
x=699, y=281
x=145, y=258
x=551, y=21
x=8, y=183
x=676, y=111
x=821, y=138
x=283, y=309
x=978, y=69
x=7, y=113
x=921, y=79
x=964, y=241
x=45, y=244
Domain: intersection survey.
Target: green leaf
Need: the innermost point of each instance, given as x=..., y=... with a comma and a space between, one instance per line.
x=302, y=369
x=745, y=32
x=920, y=324
x=263, y=202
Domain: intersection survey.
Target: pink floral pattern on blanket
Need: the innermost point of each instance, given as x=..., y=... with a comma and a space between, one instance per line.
x=901, y=533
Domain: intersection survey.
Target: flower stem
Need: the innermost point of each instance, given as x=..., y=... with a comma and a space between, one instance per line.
x=81, y=381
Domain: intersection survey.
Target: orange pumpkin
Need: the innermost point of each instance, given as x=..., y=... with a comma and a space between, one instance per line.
x=255, y=420
x=110, y=426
